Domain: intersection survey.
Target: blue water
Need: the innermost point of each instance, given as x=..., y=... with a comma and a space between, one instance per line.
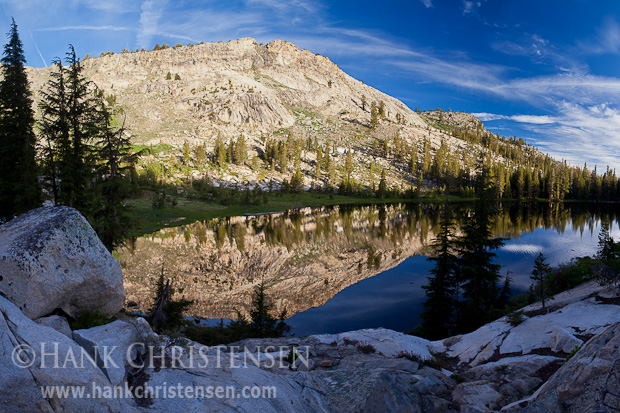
x=393, y=299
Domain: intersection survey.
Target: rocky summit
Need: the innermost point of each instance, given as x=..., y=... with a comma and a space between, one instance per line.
x=194, y=94
x=559, y=358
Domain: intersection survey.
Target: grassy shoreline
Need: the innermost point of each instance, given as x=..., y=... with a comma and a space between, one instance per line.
x=147, y=219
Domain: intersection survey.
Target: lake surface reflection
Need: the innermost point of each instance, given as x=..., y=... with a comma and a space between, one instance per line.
x=340, y=268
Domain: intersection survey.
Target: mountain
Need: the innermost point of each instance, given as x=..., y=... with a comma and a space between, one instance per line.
x=273, y=92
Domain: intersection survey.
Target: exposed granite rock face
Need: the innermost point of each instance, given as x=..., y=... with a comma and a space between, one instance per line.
x=575, y=386
x=20, y=388
x=58, y=323
x=119, y=335
x=51, y=258
x=231, y=86
x=574, y=316
x=358, y=371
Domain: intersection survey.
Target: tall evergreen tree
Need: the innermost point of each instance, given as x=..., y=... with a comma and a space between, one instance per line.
x=86, y=123
x=539, y=275
x=479, y=273
x=19, y=187
x=116, y=161
x=220, y=151
x=55, y=127
x=442, y=288
x=381, y=191
x=608, y=266
x=72, y=122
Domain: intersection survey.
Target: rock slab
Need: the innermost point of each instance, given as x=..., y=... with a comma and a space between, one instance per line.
x=51, y=258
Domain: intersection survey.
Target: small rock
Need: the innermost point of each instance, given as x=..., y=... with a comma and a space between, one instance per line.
x=326, y=363
x=58, y=323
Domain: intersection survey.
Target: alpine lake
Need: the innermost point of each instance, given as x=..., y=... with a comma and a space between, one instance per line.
x=335, y=269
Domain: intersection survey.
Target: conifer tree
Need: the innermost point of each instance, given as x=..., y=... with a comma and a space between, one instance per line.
x=374, y=116
x=116, y=160
x=607, y=255
x=348, y=165
x=200, y=154
x=539, y=275
x=413, y=161
x=220, y=151
x=55, y=127
x=241, y=151
x=382, y=185
x=297, y=182
x=479, y=273
x=72, y=122
x=442, y=287
x=19, y=187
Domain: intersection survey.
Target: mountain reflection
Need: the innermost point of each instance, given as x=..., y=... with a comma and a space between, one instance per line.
x=306, y=256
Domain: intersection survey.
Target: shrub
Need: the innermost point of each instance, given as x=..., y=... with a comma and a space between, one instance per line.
x=89, y=319
x=515, y=318
x=573, y=352
x=366, y=348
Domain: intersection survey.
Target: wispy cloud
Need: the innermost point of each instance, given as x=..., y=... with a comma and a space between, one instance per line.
x=470, y=6
x=84, y=27
x=577, y=133
x=37, y=48
x=606, y=41
x=288, y=5
x=427, y=3
x=151, y=12
x=541, y=51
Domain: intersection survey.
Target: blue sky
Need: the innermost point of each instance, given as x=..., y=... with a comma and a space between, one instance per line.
x=545, y=70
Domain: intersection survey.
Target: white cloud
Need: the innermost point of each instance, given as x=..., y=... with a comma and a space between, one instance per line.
x=527, y=249
x=577, y=133
x=607, y=39
x=427, y=3
x=85, y=27
x=487, y=117
x=534, y=119
x=288, y=5
x=151, y=12
x=470, y=7
x=37, y=48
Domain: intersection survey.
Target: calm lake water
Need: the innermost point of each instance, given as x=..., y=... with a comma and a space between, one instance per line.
x=338, y=269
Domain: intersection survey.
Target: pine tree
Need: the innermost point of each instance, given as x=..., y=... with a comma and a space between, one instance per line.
x=607, y=255
x=86, y=123
x=297, y=182
x=348, y=165
x=72, y=122
x=539, y=275
x=413, y=161
x=426, y=160
x=381, y=191
x=200, y=154
x=442, y=288
x=479, y=273
x=19, y=187
x=55, y=127
x=241, y=151
x=263, y=323
x=374, y=116
x=186, y=153
x=220, y=151
x=116, y=162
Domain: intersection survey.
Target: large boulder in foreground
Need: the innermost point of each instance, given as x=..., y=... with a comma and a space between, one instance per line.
x=51, y=258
